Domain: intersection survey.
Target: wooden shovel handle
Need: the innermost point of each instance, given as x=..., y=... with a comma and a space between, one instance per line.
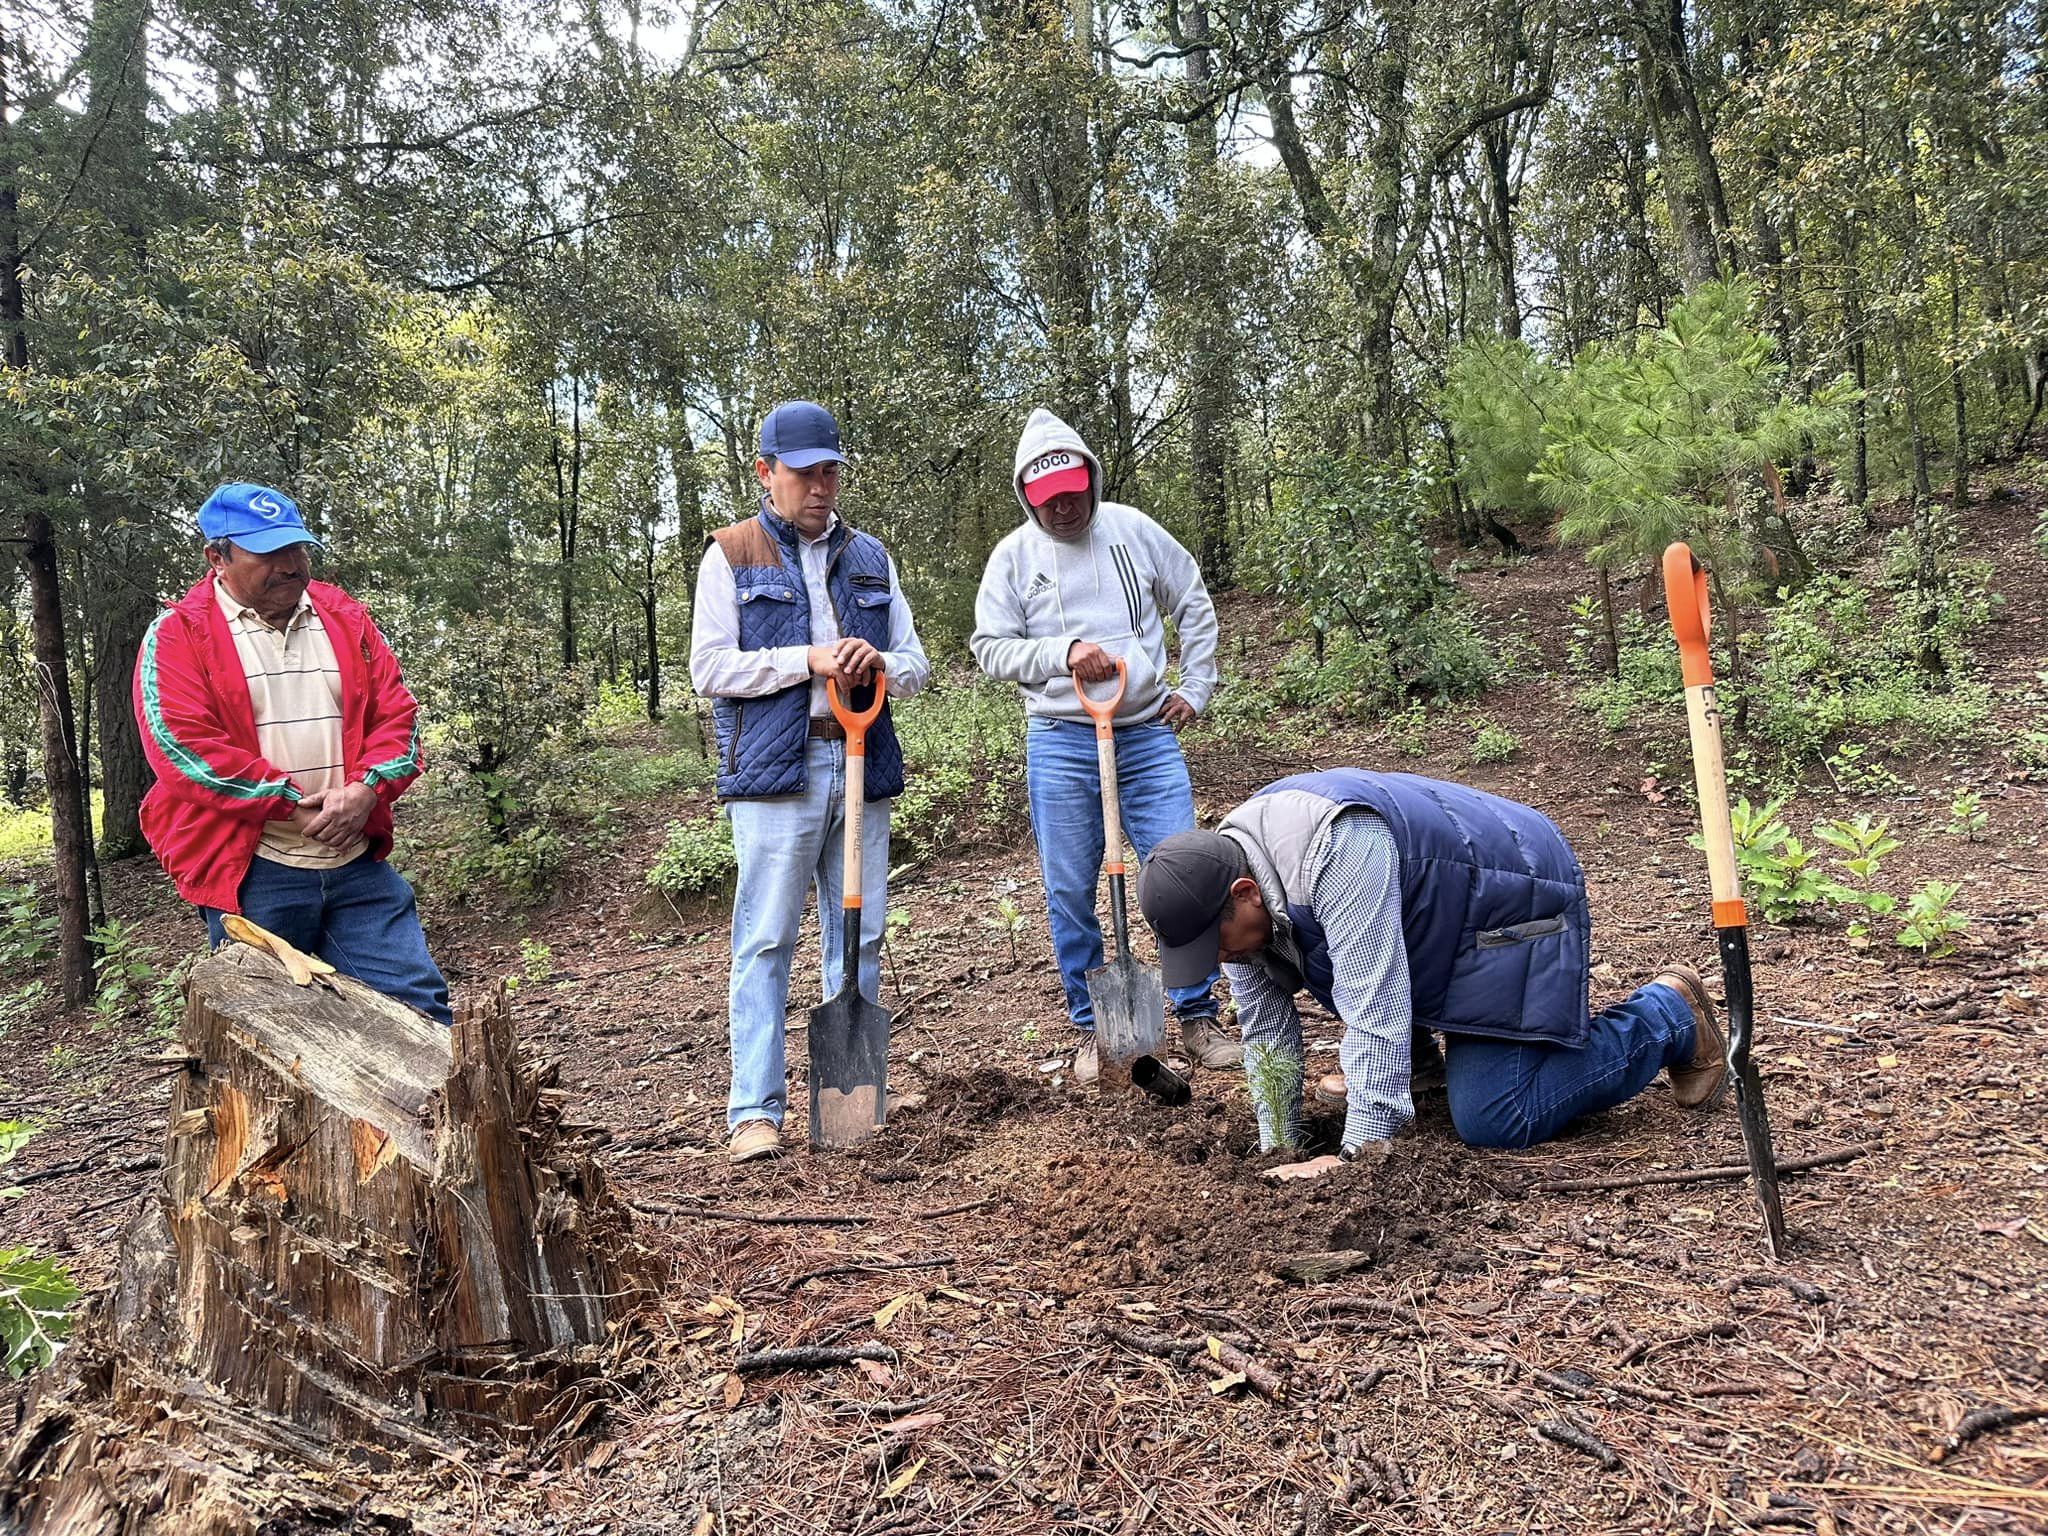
x=1103, y=713
x=1685, y=594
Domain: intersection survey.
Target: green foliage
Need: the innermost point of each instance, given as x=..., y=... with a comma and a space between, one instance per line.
x=1345, y=548
x=1778, y=871
x=17, y=1004
x=696, y=858
x=1009, y=919
x=1643, y=438
x=124, y=970
x=1932, y=922
x=27, y=932
x=1839, y=659
x=36, y=1295
x=1493, y=743
x=1495, y=399
x=536, y=960
x=2030, y=751
x=1408, y=731
x=1273, y=1074
x=963, y=750
x=1863, y=842
x=1967, y=817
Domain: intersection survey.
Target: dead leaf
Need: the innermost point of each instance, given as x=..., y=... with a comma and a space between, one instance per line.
x=1652, y=791
x=887, y=1315
x=972, y=1301
x=2011, y=1228
x=876, y=1372
x=917, y=1423
x=904, y=1479
x=735, y=1390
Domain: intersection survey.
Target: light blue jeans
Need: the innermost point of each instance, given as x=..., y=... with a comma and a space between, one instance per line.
x=1066, y=820
x=787, y=847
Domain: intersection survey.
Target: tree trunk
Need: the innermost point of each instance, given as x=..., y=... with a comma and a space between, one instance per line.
x=362, y=1237
x=1685, y=150
x=1959, y=493
x=1612, y=636
x=123, y=614
x=60, y=758
x=1209, y=373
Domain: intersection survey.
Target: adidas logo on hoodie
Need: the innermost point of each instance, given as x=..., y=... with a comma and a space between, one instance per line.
x=1039, y=583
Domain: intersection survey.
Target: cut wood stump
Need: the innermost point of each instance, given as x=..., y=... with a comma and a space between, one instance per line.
x=372, y=1234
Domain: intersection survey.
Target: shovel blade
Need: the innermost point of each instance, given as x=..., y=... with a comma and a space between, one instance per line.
x=1763, y=1161
x=849, y=1048
x=1130, y=1010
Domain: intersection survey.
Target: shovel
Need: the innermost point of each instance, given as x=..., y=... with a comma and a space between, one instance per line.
x=1685, y=594
x=1129, y=1002
x=849, y=1035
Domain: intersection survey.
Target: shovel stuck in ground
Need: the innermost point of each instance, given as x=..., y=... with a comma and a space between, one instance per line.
x=1128, y=999
x=1685, y=594
x=849, y=1035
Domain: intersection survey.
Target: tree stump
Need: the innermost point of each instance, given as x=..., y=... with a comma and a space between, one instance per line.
x=372, y=1233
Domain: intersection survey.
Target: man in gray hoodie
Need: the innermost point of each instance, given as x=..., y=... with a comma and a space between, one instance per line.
x=1081, y=584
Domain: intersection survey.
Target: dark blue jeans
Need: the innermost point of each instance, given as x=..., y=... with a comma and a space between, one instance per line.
x=1505, y=1094
x=361, y=919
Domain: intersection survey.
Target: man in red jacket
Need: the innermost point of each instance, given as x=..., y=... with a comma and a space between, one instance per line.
x=281, y=733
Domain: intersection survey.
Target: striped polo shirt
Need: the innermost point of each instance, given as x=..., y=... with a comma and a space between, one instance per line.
x=295, y=692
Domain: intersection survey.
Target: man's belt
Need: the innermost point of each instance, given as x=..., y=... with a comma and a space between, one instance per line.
x=825, y=728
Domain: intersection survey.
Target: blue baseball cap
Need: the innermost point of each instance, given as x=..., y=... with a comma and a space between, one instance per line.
x=800, y=434
x=257, y=518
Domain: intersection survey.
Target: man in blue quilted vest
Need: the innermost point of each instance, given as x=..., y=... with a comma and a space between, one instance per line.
x=1405, y=904
x=786, y=600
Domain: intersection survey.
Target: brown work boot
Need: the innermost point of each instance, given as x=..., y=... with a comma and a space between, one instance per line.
x=755, y=1139
x=1329, y=1091
x=1699, y=1085
x=1087, y=1061
x=1208, y=1044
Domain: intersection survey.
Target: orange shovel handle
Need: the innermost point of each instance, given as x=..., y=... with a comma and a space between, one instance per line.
x=1103, y=711
x=856, y=722
x=1685, y=594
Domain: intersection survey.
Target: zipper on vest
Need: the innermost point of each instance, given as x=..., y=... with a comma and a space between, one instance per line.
x=732, y=748
x=1520, y=933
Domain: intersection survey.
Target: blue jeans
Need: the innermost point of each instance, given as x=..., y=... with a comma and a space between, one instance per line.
x=360, y=918
x=786, y=847
x=1066, y=820
x=1505, y=1094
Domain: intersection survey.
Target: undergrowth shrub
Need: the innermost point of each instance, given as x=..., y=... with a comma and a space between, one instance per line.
x=696, y=857
x=1384, y=625
x=963, y=751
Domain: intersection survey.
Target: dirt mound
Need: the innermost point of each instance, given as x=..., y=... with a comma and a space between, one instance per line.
x=983, y=1095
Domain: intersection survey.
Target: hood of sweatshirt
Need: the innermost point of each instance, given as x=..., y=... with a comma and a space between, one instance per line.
x=1045, y=433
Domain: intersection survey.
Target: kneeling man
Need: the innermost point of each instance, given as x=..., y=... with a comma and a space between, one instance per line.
x=1402, y=904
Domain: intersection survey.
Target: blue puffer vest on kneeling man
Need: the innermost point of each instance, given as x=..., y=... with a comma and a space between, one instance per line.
x=761, y=741
x=1493, y=904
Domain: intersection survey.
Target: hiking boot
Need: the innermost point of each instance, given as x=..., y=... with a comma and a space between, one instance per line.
x=1087, y=1061
x=755, y=1139
x=1329, y=1091
x=1699, y=1085
x=1206, y=1044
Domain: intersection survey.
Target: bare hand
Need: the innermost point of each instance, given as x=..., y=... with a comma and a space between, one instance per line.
x=1177, y=712
x=1090, y=663
x=342, y=814
x=307, y=811
x=1314, y=1168
x=849, y=663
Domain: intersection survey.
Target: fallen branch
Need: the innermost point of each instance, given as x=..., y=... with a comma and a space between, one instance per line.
x=1983, y=1421
x=1697, y=1175
x=813, y=1357
x=1577, y=1439
x=1315, y=1268
x=1641, y=1347
x=936, y=1261
x=1805, y=1290
x=1217, y=1356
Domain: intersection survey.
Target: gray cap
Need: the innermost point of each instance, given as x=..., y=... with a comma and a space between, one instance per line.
x=1182, y=890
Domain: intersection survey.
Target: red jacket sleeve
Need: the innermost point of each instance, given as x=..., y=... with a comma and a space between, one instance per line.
x=187, y=741
x=391, y=730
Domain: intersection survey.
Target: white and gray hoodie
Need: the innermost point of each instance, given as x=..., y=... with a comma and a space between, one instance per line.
x=1111, y=585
